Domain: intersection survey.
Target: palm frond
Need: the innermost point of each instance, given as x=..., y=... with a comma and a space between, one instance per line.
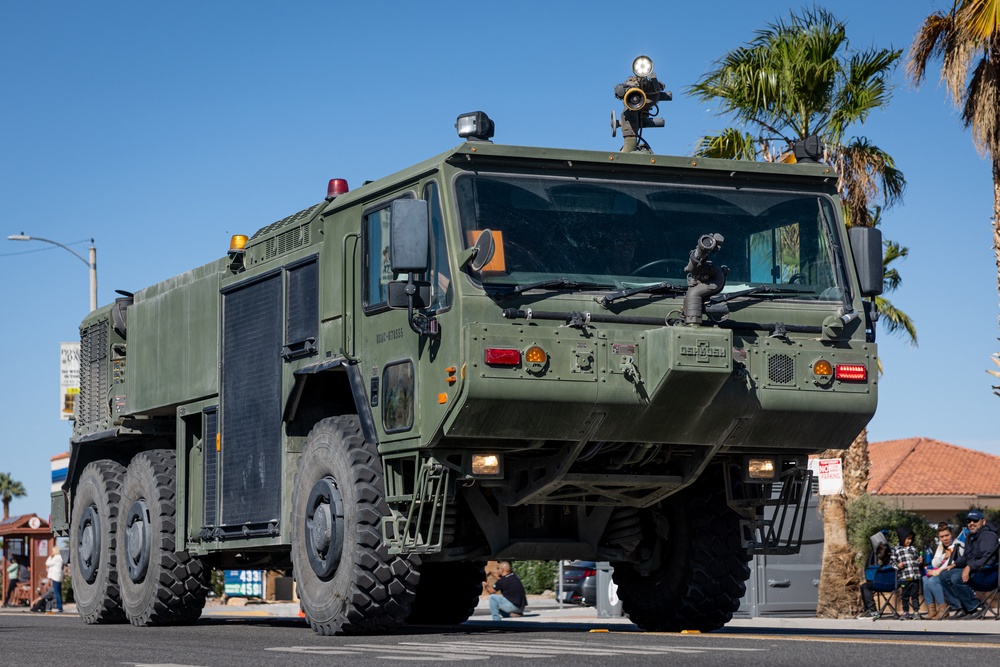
x=729, y=144
x=981, y=112
x=981, y=18
x=895, y=321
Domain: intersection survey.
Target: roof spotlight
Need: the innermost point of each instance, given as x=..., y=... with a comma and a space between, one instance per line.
x=475, y=126
x=642, y=66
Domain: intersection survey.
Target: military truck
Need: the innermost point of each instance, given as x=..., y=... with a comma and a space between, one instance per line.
x=500, y=352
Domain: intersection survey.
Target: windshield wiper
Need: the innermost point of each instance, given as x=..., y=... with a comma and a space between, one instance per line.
x=760, y=291
x=561, y=283
x=611, y=297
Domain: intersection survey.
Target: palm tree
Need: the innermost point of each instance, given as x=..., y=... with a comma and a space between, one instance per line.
x=9, y=489
x=799, y=78
x=967, y=42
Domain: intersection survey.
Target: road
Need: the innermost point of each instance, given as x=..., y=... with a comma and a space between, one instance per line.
x=247, y=637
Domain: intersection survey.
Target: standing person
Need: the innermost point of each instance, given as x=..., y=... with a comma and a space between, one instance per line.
x=942, y=561
x=507, y=596
x=54, y=565
x=12, y=568
x=980, y=551
x=906, y=559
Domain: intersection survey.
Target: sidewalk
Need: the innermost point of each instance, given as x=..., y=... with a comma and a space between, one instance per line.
x=546, y=610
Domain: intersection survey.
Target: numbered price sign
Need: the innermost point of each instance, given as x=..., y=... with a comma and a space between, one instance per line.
x=244, y=583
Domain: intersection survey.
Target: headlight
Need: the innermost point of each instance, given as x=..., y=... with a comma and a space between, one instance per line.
x=761, y=469
x=485, y=465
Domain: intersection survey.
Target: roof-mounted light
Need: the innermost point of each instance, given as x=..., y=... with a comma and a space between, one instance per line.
x=475, y=126
x=336, y=187
x=642, y=66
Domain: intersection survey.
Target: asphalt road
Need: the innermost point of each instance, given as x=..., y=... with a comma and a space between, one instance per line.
x=226, y=640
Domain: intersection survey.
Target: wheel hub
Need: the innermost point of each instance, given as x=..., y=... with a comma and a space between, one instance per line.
x=137, y=540
x=88, y=546
x=324, y=527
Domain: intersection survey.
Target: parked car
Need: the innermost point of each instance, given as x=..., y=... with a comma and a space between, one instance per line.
x=579, y=582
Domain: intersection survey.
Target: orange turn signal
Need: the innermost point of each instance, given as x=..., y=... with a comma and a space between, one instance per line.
x=535, y=355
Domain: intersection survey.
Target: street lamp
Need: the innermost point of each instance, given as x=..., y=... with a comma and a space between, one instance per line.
x=91, y=264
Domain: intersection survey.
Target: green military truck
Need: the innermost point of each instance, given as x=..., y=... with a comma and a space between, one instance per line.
x=500, y=352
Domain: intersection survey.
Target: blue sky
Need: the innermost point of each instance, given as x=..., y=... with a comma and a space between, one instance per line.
x=161, y=129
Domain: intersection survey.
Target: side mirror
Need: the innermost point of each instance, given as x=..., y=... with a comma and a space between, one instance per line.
x=866, y=246
x=409, y=237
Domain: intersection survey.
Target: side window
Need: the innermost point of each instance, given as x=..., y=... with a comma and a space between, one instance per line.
x=397, y=408
x=440, y=274
x=377, y=257
x=302, y=316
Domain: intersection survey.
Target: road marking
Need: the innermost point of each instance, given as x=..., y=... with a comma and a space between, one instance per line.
x=473, y=650
x=856, y=640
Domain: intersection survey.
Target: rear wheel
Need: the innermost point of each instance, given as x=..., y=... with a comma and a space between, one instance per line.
x=448, y=593
x=347, y=580
x=703, y=566
x=160, y=585
x=93, y=543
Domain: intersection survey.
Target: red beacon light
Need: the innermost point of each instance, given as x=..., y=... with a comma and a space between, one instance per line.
x=336, y=187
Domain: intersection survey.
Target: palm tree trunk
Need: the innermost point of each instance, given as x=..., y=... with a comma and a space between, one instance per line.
x=840, y=579
x=996, y=214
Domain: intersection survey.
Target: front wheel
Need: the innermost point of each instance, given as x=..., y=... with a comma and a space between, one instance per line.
x=347, y=580
x=703, y=565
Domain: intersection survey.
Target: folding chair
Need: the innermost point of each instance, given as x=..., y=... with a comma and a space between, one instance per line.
x=987, y=582
x=884, y=583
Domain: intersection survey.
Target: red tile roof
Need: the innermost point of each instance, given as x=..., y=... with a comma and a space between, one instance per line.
x=921, y=466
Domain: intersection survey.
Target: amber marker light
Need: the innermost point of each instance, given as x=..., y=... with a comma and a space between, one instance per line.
x=823, y=372
x=852, y=372
x=442, y=398
x=535, y=355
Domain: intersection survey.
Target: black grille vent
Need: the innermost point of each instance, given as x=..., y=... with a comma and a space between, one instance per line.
x=211, y=468
x=92, y=407
x=780, y=369
x=286, y=242
x=251, y=403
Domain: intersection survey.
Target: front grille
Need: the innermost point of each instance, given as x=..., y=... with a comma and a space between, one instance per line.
x=780, y=369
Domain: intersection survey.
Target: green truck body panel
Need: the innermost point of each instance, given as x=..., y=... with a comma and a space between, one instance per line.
x=259, y=346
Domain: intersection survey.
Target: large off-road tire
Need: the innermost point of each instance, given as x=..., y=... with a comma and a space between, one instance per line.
x=347, y=581
x=160, y=585
x=703, y=568
x=448, y=593
x=93, y=543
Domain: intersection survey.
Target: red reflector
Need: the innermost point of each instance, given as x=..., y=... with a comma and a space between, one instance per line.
x=336, y=187
x=852, y=372
x=496, y=356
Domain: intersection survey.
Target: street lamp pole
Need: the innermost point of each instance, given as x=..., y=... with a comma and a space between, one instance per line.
x=91, y=264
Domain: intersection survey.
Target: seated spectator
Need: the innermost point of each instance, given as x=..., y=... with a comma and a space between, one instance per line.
x=46, y=597
x=906, y=559
x=883, y=555
x=980, y=552
x=938, y=605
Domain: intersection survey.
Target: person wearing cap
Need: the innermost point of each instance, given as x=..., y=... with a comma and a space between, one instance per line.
x=980, y=552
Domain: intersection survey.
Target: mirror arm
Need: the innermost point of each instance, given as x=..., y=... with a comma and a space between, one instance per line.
x=421, y=324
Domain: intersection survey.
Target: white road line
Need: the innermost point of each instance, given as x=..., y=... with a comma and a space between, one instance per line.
x=477, y=650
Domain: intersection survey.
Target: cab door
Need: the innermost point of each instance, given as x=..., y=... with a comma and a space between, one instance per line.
x=399, y=362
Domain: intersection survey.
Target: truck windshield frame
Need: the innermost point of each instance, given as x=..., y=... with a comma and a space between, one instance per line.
x=631, y=232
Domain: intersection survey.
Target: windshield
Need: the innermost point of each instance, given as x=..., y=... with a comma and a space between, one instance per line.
x=628, y=233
